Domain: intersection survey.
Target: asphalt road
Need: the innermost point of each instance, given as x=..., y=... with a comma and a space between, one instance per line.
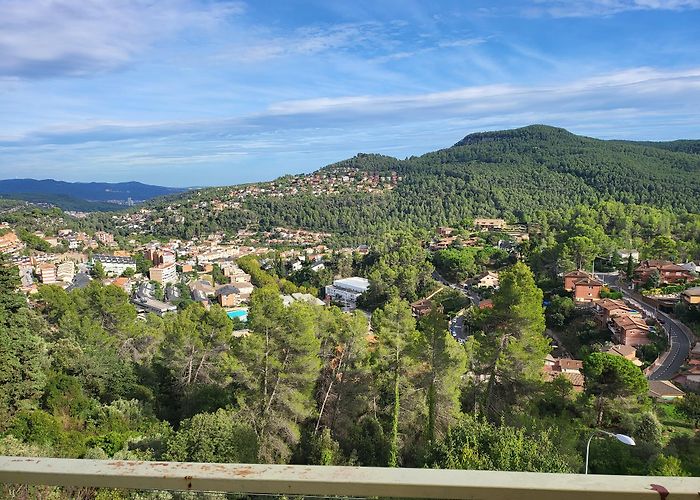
x=457, y=323
x=679, y=341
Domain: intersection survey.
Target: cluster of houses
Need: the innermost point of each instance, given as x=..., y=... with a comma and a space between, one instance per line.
x=627, y=324
x=572, y=370
x=668, y=272
x=447, y=236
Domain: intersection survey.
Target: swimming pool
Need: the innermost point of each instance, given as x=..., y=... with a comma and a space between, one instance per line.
x=241, y=314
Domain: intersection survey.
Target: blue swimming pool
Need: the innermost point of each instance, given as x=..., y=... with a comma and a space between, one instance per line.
x=238, y=314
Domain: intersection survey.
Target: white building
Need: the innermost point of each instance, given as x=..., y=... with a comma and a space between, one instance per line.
x=625, y=254
x=65, y=271
x=489, y=279
x=146, y=305
x=114, y=265
x=163, y=273
x=346, y=291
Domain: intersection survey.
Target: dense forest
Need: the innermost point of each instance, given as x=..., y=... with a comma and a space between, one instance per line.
x=83, y=376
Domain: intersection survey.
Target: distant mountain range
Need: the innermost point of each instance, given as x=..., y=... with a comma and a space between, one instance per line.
x=88, y=196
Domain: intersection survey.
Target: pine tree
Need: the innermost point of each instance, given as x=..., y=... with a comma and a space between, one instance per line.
x=277, y=366
x=396, y=330
x=446, y=362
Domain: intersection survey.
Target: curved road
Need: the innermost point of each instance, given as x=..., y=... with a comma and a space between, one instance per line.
x=677, y=332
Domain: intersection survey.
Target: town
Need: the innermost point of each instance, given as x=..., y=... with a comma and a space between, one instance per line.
x=160, y=276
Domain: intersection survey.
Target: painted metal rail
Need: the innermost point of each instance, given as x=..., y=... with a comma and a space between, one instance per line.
x=340, y=481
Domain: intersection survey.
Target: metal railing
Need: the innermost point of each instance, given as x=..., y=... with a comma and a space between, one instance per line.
x=339, y=481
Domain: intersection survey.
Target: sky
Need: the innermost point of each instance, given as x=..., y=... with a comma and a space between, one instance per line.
x=205, y=92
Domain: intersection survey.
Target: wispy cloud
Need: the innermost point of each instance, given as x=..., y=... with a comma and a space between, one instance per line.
x=45, y=38
x=596, y=8
x=669, y=91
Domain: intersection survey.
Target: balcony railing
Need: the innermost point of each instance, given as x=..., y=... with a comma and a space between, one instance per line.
x=339, y=481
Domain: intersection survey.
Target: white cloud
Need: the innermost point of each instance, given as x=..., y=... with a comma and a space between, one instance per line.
x=44, y=38
x=598, y=8
x=644, y=91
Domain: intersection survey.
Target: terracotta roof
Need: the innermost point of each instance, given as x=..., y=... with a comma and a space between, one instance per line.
x=672, y=267
x=623, y=350
x=576, y=274
x=570, y=364
x=664, y=388
x=589, y=282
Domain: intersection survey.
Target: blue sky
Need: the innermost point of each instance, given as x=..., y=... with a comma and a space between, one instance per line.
x=193, y=92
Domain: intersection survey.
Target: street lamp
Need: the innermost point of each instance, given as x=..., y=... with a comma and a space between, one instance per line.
x=620, y=437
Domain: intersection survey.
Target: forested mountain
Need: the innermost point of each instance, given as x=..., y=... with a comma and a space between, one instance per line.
x=521, y=175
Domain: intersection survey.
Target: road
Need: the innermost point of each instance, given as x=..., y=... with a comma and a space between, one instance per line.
x=676, y=331
x=457, y=323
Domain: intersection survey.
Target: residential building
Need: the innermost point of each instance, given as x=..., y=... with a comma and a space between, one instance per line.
x=489, y=279
x=691, y=267
x=308, y=298
x=609, y=308
x=346, y=291
x=584, y=286
x=163, y=273
x=664, y=390
x=571, y=278
x=245, y=289
x=570, y=365
x=570, y=369
x=114, y=265
x=625, y=254
x=587, y=290
x=104, y=238
x=203, y=287
x=123, y=283
x=445, y=231
x=288, y=300
x=65, y=271
x=489, y=224
x=691, y=296
x=228, y=296
x=421, y=307
x=47, y=271
x=10, y=243
x=630, y=330
x=148, y=305
x=625, y=351
x=318, y=266
x=669, y=272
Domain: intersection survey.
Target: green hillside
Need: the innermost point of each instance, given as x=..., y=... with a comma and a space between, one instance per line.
x=513, y=173
x=522, y=175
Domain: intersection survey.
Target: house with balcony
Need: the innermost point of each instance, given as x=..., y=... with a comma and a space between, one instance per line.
x=610, y=308
x=630, y=330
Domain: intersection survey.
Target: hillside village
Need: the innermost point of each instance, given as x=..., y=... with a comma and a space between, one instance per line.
x=159, y=276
